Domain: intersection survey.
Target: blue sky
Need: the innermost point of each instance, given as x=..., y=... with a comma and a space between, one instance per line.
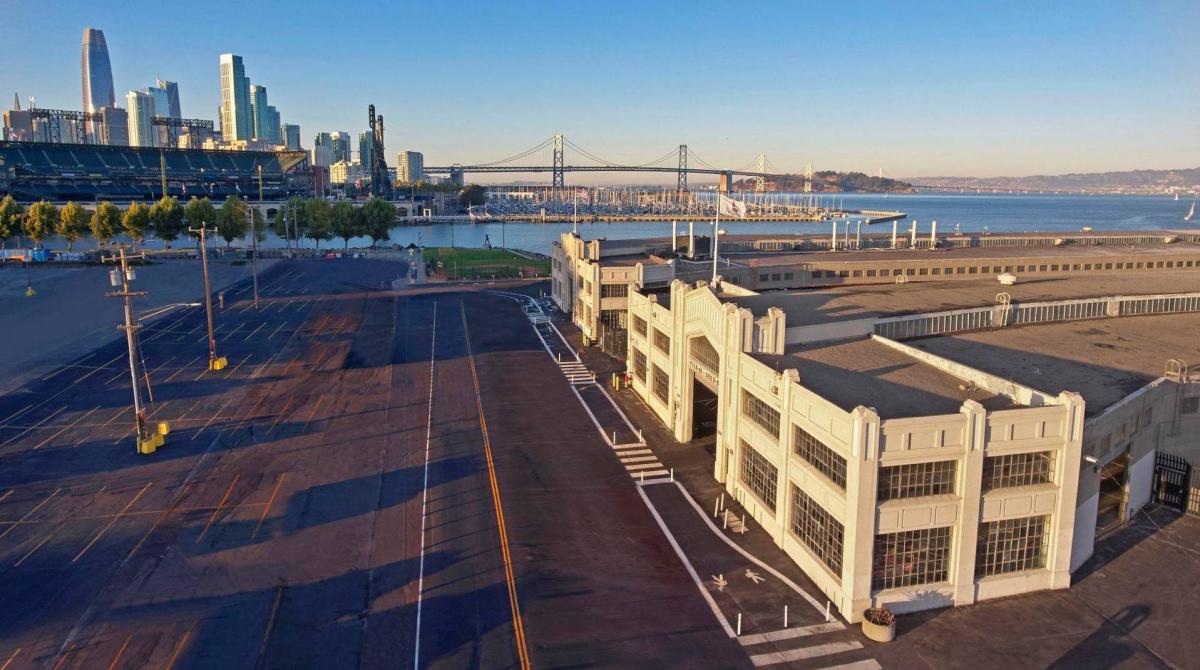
x=963, y=88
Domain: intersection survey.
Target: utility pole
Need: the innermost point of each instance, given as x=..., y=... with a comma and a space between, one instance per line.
x=253, y=249
x=214, y=363
x=120, y=278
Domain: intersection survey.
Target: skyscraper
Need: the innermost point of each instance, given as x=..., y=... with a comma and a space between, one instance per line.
x=291, y=135
x=366, y=147
x=140, y=107
x=274, y=132
x=114, y=126
x=97, y=72
x=166, y=99
x=237, y=121
x=340, y=143
x=258, y=111
x=412, y=166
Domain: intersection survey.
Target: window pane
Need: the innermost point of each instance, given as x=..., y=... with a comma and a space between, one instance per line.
x=817, y=530
x=821, y=457
x=760, y=412
x=910, y=558
x=759, y=475
x=1018, y=470
x=1011, y=545
x=913, y=480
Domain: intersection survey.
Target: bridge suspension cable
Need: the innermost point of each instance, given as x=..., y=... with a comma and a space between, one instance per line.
x=662, y=159
x=519, y=156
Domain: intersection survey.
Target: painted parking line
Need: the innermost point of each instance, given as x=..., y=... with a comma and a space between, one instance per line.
x=771, y=658
x=235, y=368
x=113, y=522
x=21, y=434
x=10, y=659
x=180, y=370
x=219, y=507
x=28, y=514
x=31, y=551
x=213, y=418
x=166, y=512
x=868, y=664
x=65, y=428
x=267, y=508
x=178, y=648
x=254, y=332
x=112, y=665
x=791, y=633
x=95, y=370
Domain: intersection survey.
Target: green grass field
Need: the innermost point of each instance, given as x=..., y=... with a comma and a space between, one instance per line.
x=456, y=263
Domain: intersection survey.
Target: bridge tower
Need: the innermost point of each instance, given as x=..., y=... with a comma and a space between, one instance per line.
x=558, y=180
x=808, y=175
x=760, y=164
x=682, y=186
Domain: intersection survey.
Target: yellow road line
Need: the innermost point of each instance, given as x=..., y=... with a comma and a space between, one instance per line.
x=120, y=652
x=178, y=648
x=211, y=519
x=30, y=513
x=267, y=509
x=514, y=604
x=30, y=553
x=112, y=522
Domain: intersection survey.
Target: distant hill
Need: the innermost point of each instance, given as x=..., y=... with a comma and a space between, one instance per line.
x=1146, y=182
x=828, y=181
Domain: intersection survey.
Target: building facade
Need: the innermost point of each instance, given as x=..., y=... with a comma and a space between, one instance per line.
x=291, y=135
x=411, y=166
x=260, y=114
x=237, y=118
x=98, y=89
x=139, y=106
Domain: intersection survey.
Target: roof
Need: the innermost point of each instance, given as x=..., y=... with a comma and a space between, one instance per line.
x=1103, y=360
x=843, y=303
x=1086, y=251
x=865, y=372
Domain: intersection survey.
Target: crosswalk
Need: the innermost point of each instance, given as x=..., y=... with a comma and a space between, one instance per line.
x=639, y=461
x=813, y=646
x=576, y=372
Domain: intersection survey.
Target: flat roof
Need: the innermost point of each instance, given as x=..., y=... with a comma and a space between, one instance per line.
x=842, y=303
x=865, y=372
x=1103, y=360
x=1001, y=253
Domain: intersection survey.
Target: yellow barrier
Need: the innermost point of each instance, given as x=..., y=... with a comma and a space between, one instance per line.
x=164, y=428
x=218, y=364
x=150, y=444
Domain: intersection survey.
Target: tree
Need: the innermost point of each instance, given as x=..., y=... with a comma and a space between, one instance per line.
x=345, y=221
x=379, y=216
x=315, y=217
x=106, y=222
x=136, y=221
x=72, y=223
x=288, y=218
x=166, y=216
x=260, y=225
x=11, y=214
x=231, y=220
x=198, y=213
x=472, y=195
x=41, y=221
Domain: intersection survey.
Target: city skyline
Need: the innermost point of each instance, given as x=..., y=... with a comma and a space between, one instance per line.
x=963, y=92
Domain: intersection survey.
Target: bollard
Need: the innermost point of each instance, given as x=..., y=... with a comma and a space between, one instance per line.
x=827, y=617
x=642, y=475
x=743, y=524
x=559, y=354
x=672, y=474
x=614, y=437
x=739, y=627
x=716, y=508
x=785, y=616
x=725, y=521
x=722, y=501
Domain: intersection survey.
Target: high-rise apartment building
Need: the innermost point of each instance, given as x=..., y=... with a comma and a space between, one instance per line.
x=237, y=119
x=114, y=126
x=291, y=135
x=274, y=132
x=258, y=107
x=140, y=107
x=366, y=148
x=411, y=165
x=97, y=72
x=340, y=145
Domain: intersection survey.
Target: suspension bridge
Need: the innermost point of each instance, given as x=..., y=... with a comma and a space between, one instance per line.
x=680, y=161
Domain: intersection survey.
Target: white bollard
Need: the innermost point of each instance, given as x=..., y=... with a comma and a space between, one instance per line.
x=785, y=613
x=739, y=627
x=722, y=501
x=672, y=474
x=642, y=476
x=716, y=508
x=614, y=437
x=743, y=524
x=827, y=617
x=725, y=520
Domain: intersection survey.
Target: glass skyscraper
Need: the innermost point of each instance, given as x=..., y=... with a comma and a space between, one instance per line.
x=237, y=119
x=97, y=72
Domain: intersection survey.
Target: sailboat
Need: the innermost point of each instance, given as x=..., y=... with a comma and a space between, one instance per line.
x=1177, y=196
x=1191, y=212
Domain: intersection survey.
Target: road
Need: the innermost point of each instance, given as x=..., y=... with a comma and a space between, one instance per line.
x=379, y=479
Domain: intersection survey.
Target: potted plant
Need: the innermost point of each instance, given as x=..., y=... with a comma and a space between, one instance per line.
x=879, y=624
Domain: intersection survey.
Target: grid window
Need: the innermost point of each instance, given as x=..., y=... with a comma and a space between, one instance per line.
x=760, y=412
x=614, y=290
x=639, y=325
x=817, y=530
x=821, y=457
x=910, y=558
x=703, y=353
x=639, y=365
x=662, y=383
x=1001, y=472
x=913, y=480
x=759, y=475
x=1011, y=545
x=1190, y=405
x=662, y=341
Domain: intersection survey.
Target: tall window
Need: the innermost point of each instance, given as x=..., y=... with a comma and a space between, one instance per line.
x=639, y=325
x=614, y=290
x=759, y=475
x=817, y=530
x=1000, y=472
x=910, y=558
x=639, y=365
x=760, y=412
x=821, y=457
x=704, y=354
x=662, y=384
x=662, y=341
x=913, y=480
x=1011, y=545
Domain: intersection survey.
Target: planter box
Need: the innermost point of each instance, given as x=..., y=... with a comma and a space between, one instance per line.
x=879, y=632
